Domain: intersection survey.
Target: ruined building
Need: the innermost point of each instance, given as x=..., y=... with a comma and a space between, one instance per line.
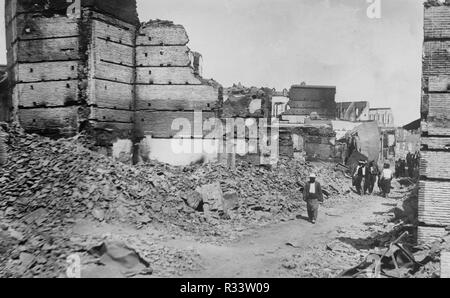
x=355, y=111
x=91, y=66
x=305, y=100
x=434, y=203
x=4, y=88
x=384, y=117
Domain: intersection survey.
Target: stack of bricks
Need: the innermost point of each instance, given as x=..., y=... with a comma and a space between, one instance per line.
x=434, y=201
x=90, y=66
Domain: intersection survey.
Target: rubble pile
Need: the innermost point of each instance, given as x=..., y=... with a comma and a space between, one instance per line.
x=47, y=185
x=63, y=180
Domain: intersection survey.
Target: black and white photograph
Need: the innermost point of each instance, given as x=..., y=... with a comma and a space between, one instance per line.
x=240, y=141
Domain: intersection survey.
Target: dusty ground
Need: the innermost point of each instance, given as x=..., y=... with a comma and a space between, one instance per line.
x=341, y=239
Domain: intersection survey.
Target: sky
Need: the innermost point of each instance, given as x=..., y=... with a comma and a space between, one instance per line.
x=278, y=43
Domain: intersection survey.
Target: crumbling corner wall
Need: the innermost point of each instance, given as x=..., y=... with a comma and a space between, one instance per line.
x=435, y=157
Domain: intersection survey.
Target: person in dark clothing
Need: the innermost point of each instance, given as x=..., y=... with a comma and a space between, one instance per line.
x=371, y=177
x=359, y=175
x=312, y=195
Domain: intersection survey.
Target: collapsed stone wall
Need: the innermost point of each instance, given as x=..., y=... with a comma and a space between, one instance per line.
x=305, y=99
x=99, y=71
x=57, y=57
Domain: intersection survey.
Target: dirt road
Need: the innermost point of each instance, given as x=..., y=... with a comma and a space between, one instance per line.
x=280, y=250
x=340, y=240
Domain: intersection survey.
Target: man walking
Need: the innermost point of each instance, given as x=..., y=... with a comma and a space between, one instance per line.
x=359, y=175
x=312, y=195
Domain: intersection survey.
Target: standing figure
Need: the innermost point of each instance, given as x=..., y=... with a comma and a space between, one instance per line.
x=385, y=180
x=403, y=168
x=359, y=175
x=371, y=177
x=312, y=195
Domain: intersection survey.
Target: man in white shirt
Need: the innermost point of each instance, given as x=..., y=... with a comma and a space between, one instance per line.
x=386, y=177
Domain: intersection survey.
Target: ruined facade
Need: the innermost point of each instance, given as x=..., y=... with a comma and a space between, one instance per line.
x=354, y=111
x=384, y=116
x=407, y=139
x=305, y=100
x=90, y=66
x=434, y=203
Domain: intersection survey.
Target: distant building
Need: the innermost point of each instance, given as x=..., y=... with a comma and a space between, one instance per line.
x=408, y=139
x=383, y=116
x=305, y=100
x=280, y=100
x=356, y=111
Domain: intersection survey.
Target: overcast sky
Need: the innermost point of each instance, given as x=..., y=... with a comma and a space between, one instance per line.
x=277, y=43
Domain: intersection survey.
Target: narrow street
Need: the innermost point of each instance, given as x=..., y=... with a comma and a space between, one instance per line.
x=272, y=251
x=339, y=241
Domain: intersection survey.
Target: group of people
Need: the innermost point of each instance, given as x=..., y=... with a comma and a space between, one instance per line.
x=367, y=174
x=407, y=167
x=364, y=179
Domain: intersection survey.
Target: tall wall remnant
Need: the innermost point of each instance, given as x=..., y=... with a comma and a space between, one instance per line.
x=168, y=81
x=434, y=202
x=70, y=65
x=90, y=66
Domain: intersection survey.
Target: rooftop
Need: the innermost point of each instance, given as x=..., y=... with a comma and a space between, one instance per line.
x=313, y=87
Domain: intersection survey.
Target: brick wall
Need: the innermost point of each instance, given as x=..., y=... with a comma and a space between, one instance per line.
x=434, y=202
